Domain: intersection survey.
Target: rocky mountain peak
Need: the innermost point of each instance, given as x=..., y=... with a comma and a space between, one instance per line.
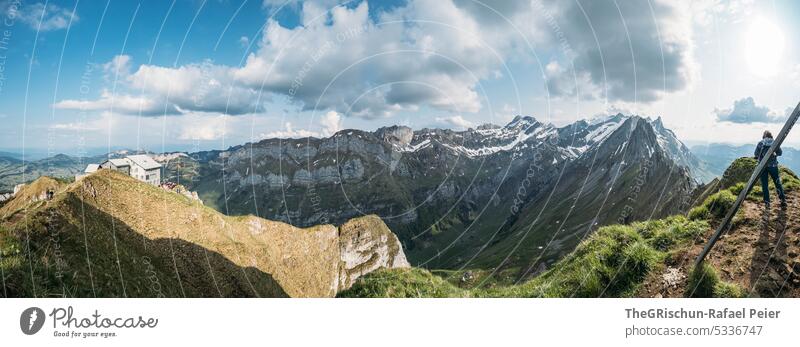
x=522, y=122
x=658, y=124
x=488, y=126
x=396, y=135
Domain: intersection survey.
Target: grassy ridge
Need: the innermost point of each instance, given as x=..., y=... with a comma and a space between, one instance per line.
x=611, y=263
x=109, y=235
x=728, y=188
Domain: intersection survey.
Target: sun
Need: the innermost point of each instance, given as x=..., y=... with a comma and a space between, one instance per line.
x=763, y=47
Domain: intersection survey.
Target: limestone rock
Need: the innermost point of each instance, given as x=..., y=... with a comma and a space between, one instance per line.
x=366, y=244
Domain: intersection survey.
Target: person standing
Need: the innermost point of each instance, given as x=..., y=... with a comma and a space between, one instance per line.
x=771, y=170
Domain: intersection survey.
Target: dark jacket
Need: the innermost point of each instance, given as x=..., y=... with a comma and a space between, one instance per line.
x=763, y=147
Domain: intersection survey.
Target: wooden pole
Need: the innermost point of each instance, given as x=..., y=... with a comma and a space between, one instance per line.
x=725, y=225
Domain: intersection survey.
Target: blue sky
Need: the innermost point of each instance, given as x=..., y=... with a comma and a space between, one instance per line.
x=81, y=76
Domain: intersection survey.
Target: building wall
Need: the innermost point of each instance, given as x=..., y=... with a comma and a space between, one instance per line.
x=152, y=176
x=124, y=169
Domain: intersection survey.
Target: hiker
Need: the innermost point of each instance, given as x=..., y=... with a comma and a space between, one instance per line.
x=771, y=169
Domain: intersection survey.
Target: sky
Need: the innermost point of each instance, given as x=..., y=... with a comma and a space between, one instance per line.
x=80, y=77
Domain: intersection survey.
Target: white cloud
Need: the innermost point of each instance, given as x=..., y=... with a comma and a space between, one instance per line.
x=425, y=53
x=74, y=126
x=560, y=81
x=118, y=68
x=745, y=110
x=331, y=123
x=202, y=127
x=244, y=41
x=201, y=87
x=636, y=51
x=38, y=16
x=289, y=132
x=374, y=70
x=431, y=53
x=706, y=12
x=155, y=90
x=456, y=120
x=125, y=104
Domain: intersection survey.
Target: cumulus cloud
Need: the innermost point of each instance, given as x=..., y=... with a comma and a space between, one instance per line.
x=201, y=87
x=125, y=104
x=289, y=132
x=562, y=82
x=457, y=121
x=746, y=111
x=632, y=50
x=423, y=53
x=38, y=16
x=331, y=122
x=203, y=127
x=154, y=90
x=430, y=53
x=118, y=67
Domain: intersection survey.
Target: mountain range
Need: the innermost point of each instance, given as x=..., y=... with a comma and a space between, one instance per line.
x=524, y=209
x=515, y=197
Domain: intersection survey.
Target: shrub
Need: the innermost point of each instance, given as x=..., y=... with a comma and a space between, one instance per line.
x=639, y=259
x=719, y=203
x=737, y=188
x=402, y=283
x=728, y=290
x=698, y=213
x=739, y=171
x=663, y=240
x=702, y=281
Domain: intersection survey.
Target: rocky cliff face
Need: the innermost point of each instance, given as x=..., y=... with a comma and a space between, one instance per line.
x=495, y=195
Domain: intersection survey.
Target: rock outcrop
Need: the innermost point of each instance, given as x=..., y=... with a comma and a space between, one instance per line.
x=365, y=245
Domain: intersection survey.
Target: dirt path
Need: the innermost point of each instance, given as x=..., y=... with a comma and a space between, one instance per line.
x=759, y=253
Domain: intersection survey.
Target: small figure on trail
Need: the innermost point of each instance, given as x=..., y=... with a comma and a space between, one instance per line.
x=771, y=169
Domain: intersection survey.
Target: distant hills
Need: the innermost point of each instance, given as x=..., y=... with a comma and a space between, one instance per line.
x=718, y=156
x=14, y=171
